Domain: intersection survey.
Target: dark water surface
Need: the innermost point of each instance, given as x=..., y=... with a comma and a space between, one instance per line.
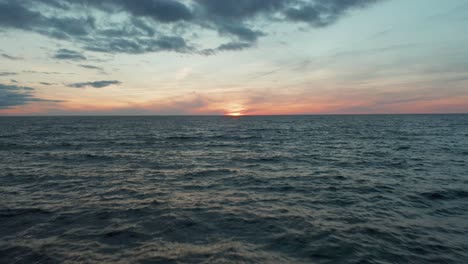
x=305, y=189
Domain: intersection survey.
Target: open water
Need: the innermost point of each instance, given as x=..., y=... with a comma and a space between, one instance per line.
x=291, y=189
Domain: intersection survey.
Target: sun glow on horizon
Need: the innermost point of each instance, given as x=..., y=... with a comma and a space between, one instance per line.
x=235, y=110
x=236, y=114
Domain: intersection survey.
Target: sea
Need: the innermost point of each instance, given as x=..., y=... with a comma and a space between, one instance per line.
x=252, y=189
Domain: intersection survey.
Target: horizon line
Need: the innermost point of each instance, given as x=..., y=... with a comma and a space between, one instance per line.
x=230, y=116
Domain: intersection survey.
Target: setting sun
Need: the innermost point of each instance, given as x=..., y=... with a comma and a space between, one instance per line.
x=234, y=114
x=235, y=109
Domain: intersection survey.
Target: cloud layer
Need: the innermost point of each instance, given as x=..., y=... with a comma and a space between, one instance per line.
x=129, y=26
x=65, y=54
x=7, y=74
x=6, y=56
x=97, y=84
x=12, y=95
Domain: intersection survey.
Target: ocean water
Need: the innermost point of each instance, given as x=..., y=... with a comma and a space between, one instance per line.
x=297, y=189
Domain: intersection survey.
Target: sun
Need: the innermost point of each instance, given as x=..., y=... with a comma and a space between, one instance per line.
x=234, y=110
x=234, y=114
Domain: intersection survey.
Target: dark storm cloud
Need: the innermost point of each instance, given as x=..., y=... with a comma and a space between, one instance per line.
x=65, y=54
x=12, y=95
x=165, y=25
x=97, y=84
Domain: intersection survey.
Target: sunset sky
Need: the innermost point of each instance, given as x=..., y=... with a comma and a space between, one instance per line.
x=248, y=57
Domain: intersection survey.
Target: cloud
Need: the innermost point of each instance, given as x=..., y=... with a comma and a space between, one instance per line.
x=322, y=13
x=14, y=15
x=234, y=46
x=183, y=105
x=160, y=10
x=129, y=26
x=91, y=67
x=44, y=72
x=66, y=54
x=22, y=15
x=47, y=84
x=8, y=73
x=12, y=95
x=6, y=56
x=138, y=46
x=242, y=32
x=97, y=84
x=231, y=46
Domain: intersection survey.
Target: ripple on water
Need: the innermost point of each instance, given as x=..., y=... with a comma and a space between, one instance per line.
x=310, y=189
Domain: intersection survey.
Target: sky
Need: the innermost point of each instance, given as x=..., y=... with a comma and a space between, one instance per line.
x=233, y=57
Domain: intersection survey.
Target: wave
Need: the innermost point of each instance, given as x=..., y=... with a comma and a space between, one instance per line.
x=450, y=194
x=15, y=212
x=357, y=189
